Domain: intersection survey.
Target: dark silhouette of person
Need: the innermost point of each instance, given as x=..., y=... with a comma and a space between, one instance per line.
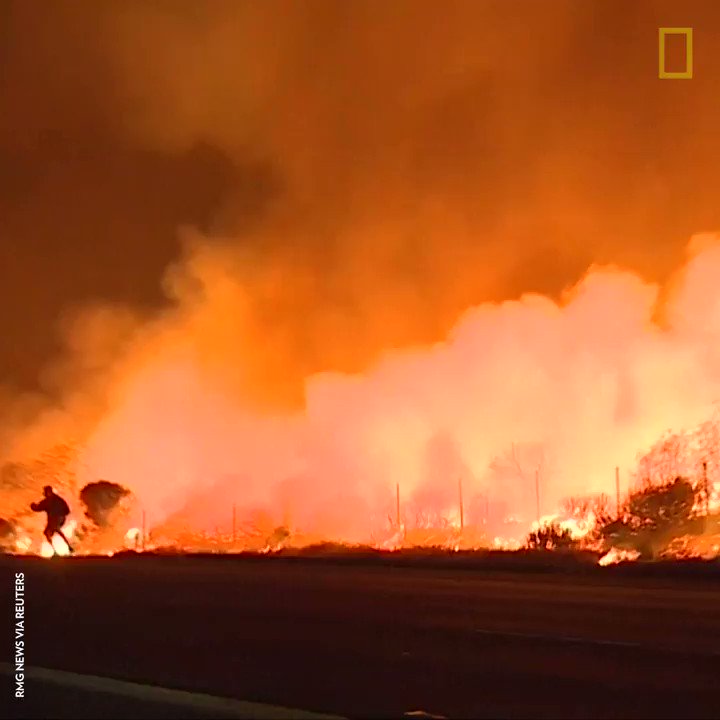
x=57, y=511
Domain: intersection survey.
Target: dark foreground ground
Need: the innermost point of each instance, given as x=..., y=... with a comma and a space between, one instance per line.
x=362, y=639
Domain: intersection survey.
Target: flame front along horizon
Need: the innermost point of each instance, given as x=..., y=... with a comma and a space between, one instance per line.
x=526, y=404
x=265, y=281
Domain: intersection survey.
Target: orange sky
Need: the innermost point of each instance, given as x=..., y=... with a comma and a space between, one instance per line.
x=391, y=164
x=251, y=205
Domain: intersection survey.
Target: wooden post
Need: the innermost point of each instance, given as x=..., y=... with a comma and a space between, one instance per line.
x=460, y=497
x=617, y=491
x=537, y=494
x=397, y=504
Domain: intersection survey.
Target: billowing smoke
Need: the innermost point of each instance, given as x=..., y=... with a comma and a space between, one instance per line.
x=570, y=389
x=388, y=212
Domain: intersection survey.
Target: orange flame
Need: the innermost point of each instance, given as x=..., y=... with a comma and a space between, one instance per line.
x=525, y=403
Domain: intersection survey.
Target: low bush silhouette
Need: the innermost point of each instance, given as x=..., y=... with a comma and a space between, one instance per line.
x=653, y=516
x=101, y=499
x=550, y=536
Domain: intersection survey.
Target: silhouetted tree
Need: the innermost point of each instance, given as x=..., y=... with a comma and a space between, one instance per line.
x=101, y=499
x=653, y=515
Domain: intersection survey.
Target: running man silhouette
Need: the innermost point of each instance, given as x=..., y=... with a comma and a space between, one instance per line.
x=57, y=511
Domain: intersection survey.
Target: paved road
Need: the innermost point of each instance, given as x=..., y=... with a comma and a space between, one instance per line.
x=69, y=696
x=363, y=641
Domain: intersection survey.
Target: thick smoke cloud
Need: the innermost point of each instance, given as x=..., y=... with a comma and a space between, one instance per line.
x=578, y=387
x=380, y=167
x=424, y=158
x=219, y=202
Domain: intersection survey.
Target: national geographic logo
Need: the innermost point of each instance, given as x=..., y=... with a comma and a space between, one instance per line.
x=687, y=74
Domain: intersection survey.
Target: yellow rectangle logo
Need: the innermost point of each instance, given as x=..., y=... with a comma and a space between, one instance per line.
x=688, y=72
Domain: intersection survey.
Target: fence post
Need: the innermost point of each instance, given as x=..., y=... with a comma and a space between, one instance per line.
x=397, y=504
x=462, y=512
x=706, y=485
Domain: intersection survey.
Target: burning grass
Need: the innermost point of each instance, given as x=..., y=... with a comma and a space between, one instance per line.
x=580, y=564
x=664, y=516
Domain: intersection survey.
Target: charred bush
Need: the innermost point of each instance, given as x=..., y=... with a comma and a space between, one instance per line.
x=653, y=516
x=658, y=507
x=550, y=537
x=101, y=500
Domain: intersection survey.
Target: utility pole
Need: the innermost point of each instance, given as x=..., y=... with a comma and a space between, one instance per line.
x=397, y=503
x=537, y=494
x=460, y=495
x=617, y=491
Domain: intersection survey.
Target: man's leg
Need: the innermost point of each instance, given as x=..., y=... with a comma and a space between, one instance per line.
x=62, y=535
x=55, y=528
x=48, y=532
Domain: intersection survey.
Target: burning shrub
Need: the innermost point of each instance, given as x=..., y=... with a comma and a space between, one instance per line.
x=278, y=536
x=7, y=535
x=585, y=508
x=550, y=536
x=663, y=506
x=653, y=515
x=107, y=507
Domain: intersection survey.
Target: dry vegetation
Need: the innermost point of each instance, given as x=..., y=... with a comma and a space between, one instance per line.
x=670, y=513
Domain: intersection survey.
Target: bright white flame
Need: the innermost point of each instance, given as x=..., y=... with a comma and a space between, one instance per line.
x=714, y=501
x=58, y=547
x=132, y=535
x=578, y=528
x=23, y=544
x=617, y=556
x=506, y=544
x=544, y=521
